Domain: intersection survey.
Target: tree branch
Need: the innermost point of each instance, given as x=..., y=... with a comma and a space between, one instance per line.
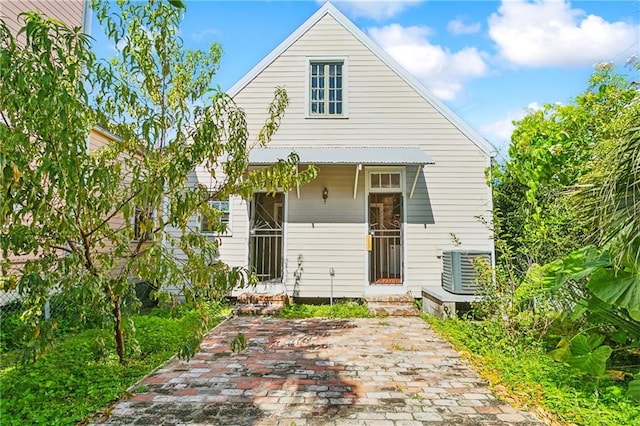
x=5, y=119
x=114, y=213
x=62, y=248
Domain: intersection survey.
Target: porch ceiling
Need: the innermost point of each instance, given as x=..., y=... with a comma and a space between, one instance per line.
x=343, y=155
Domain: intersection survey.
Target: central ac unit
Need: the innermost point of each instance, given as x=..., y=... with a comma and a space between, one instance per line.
x=459, y=275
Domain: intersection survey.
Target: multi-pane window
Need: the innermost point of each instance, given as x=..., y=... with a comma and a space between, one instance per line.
x=223, y=207
x=384, y=180
x=326, y=88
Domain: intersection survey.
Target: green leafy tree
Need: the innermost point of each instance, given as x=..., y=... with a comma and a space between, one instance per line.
x=75, y=210
x=551, y=150
x=569, y=197
x=604, y=278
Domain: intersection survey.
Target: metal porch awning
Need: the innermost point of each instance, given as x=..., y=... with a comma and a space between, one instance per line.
x=359, y=156
x=343, y=155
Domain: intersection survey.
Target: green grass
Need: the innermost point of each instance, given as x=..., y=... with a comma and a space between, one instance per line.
x=524, y=372
x=67, y=384
x=338, y=310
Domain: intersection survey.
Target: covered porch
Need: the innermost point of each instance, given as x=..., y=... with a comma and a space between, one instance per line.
x=343, y=234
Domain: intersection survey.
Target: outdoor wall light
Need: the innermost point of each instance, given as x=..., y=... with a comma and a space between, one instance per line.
x=325, y=194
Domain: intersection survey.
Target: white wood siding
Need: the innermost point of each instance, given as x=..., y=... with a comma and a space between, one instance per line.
x=326, y=235
x=233, y=246
x=383, y=111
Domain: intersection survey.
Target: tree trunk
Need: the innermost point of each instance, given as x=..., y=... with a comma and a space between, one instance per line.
x=117, y=328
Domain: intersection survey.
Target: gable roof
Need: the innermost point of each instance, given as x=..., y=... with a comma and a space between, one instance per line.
x=331, y=10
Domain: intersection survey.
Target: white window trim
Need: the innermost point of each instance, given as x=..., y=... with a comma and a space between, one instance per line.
x=386, y=170
x=345, y=87
x=229, y=232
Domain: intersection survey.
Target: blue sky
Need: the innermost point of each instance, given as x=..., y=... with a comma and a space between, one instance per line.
x=487, y=60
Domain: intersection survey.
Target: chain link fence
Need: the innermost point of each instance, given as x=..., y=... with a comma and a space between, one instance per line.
x=59, y=312
x=11, y=303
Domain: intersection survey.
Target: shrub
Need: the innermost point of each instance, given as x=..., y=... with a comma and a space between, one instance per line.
x=10, y=323
x=532, y=379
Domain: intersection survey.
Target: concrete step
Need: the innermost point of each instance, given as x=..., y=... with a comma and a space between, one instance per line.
x=392, y=305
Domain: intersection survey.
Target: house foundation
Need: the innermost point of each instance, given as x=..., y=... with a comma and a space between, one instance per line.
x=438, y=302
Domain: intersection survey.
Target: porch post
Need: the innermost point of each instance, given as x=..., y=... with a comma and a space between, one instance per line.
x=355, y=183
x=297, y=184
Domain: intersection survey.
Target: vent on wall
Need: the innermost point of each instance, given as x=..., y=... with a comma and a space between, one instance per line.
x=458, y=271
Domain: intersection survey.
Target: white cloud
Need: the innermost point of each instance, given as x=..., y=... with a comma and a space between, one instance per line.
x=374, y=9
x=551, y=33
x=499, y=132
x=201, y=35
x=117, y=48
x=458, y=26
x=441, y=70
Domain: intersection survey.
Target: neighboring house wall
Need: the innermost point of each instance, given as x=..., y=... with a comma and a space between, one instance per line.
x=71, y=12
x=99, y=139
x=96, y=140
x=74, y=13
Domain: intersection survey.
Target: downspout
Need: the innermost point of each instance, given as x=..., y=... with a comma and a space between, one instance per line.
x=492, y=156
x=86, y=17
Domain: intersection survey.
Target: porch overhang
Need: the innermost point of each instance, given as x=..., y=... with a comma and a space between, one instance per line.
x=367, y=156
x=358, y=156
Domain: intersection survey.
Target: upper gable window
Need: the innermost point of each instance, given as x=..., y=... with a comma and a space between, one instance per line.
x=327, y=87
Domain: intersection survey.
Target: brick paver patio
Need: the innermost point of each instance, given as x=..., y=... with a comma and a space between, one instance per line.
x=390, y=371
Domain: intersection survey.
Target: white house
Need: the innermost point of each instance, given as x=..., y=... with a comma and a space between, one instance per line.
x=401, y=178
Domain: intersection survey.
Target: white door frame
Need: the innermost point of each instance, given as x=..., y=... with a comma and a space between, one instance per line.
x=386, y=288
x=284, y=208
